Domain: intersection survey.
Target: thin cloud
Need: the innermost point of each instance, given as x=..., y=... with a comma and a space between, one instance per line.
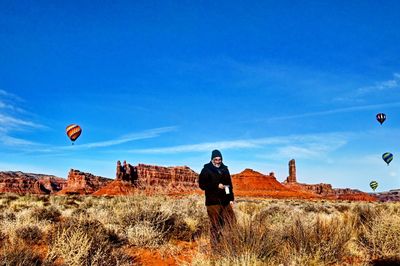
x=152, y=133
x=381, y=86
x=11, y=141
x=311, y=150
x=200, y=147
x=335, y=111
x=10, y=95
x=360, y=94
x=27, y=146
x=9, y=122
x=318, y=143
x=4, y=105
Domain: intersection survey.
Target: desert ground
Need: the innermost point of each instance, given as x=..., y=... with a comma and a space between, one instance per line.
x=165, y=230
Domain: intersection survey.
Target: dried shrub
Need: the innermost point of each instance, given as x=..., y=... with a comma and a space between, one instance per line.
x=3, y=237
x=19, y=256
x=8, y=198
x=364, y=213
x=30, y=234
x=186, y=229
x=114, y=239
x=317, y=208
x=78, y=212
x=380, y=236
x=145, y=234
x=342, y=207
x=7, y=216
x=147, y=222
x=324, y=240
x=82, y=242
x=252, y=239
x=51, y=214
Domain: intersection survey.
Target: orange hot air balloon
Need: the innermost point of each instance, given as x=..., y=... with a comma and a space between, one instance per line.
x=73, y=132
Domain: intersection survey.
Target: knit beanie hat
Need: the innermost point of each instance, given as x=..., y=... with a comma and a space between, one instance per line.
x=216, y=153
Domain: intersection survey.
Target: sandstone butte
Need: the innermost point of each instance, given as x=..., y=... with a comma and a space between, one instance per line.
x=179, y=180
x=83, y=183
x=254, y=184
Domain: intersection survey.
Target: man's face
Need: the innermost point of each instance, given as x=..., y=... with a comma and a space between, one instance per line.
x=217, y=161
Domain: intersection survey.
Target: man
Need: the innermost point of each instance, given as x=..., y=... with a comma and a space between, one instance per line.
x=215, y=180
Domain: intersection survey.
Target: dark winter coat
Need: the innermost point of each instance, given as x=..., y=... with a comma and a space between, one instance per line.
x=209, y=179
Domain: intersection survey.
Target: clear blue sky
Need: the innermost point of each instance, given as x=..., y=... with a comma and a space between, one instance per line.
x=166, y=82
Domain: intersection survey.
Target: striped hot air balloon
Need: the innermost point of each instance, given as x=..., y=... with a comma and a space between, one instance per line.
x=387, y=157
x=73, y=132
x=373, y=185
x=381, y=117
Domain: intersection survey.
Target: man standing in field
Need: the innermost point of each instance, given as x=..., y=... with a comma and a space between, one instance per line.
x=216, y=181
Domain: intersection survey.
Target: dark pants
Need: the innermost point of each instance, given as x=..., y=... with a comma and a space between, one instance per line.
x=221, y=218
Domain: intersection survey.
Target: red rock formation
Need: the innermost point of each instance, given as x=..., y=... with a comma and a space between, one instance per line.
x=52, y=183
x=116, y=188
x=83, y=183
x=391, y=195
x=28, y=183
x=353, y=197
x=320, y=189
x=292, y=172
x=252, y=183
x=326, y=191
x=250, y=180
x=179, y=180
x=154, y=179
x=159, y=175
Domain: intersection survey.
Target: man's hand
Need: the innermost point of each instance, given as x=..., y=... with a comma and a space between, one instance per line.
x=231, y=203
x=220, y=186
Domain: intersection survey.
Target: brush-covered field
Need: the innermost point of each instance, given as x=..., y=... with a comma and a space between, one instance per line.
x=161, y=230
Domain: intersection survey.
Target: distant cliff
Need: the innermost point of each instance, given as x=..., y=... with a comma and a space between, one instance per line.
x=253, y=183
x=83, y=183
x=173, y=179
x=160, y=175
x=180, y=179
x=391, y=195
x=28, y=183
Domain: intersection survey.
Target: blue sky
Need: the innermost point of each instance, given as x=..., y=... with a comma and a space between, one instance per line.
x=166, y=82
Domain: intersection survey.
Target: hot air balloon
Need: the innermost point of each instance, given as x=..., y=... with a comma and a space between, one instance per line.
x=387, y=157
x=73, y=132
x=381, y=117
x=373, y=185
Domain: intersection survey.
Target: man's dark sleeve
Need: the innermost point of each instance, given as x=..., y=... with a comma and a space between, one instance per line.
x=231, y=186
x=205, y=181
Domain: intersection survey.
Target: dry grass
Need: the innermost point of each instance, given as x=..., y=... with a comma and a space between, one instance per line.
x=379, y=232
x=83, y=242
x=29, y=234
x=77, y=230
x=19, y=256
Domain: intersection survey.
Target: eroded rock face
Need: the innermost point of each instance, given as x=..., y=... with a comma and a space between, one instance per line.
x=249, y=180
x=116, y=188
x=292, y=172
x=391, y=195
x=83, y=183
x=159, y=175
x=326, y=191
x=255, y=184
x=321, y=189
x=28, y=183
x=149, y=177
